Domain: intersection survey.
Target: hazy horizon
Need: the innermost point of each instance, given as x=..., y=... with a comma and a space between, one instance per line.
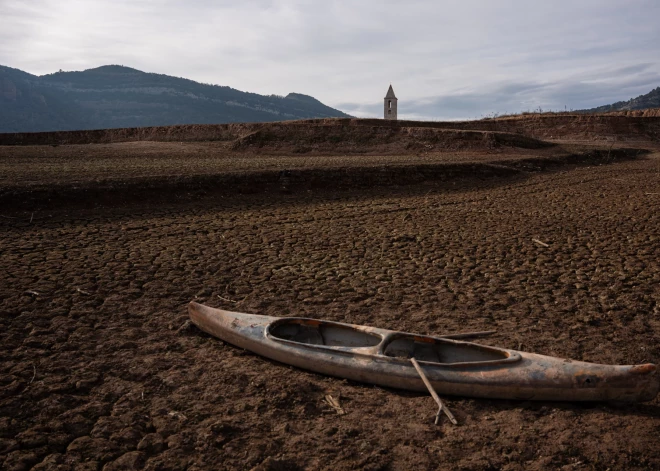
x=445, y=60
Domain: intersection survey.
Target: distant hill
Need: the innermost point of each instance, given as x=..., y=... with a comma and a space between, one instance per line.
x=642, y=102
x=114, y=96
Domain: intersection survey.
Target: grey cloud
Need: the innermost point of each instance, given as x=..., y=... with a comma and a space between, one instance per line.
x=521, y=96
x=446, y=59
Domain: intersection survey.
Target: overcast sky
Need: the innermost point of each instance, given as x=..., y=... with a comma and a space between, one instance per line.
x=446, y=59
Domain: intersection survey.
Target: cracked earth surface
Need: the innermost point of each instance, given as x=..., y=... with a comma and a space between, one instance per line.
x=100, y=368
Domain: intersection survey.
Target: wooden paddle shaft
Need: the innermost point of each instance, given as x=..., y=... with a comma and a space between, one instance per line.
x=437, y=399
x=468, y=335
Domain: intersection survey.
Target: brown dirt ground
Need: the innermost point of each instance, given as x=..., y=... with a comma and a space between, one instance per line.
x=34, y=166
x=100, y=368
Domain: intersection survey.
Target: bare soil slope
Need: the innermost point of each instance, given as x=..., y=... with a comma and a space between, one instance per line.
x=628, y=126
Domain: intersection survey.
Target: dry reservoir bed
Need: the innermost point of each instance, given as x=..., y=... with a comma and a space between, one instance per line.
x=101, y=370
x=38, y=178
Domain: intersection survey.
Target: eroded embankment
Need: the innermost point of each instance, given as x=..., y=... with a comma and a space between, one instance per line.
x=184, y=132
x=332, y=138
x=351, y=134
x=160, y=190
x=559, y=126
x=326, y=136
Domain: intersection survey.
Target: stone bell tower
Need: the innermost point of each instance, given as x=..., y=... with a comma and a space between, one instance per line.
x=390, y=104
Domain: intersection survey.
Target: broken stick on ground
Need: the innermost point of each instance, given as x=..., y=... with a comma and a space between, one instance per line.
x=543, y=244
x=334, y=403
x=441, y=405
x=228, y=300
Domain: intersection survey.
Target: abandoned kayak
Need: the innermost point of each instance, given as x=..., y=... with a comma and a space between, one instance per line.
x=382, y=357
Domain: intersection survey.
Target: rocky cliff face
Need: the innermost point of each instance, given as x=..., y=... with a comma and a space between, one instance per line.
x=118, y=97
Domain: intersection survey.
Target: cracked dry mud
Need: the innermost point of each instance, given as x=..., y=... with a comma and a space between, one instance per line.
x=101, y=369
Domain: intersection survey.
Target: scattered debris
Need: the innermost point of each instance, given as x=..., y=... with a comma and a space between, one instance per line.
x=34, y=373
x=334, y=403
x=542, y=244
x=228, y=300
x=187, y=326
x=177, y=415
x=231, y=300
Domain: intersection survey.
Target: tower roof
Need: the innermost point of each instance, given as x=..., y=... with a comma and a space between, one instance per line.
x=390, y=93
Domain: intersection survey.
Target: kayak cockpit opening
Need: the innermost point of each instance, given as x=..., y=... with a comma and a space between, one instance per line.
x=313, y=332
x=396, y=345
x=435, y=350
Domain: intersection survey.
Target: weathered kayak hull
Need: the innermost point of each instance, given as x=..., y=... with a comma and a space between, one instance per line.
x=474, y=370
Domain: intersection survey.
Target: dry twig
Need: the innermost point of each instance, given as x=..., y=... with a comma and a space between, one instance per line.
x=231, y=300
x=543, y=244
x=334, y=403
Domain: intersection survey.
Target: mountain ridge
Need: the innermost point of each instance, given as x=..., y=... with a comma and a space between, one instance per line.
x=642, y=102
x=115, y=96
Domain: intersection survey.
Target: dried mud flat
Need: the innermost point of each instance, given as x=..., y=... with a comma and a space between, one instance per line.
x=100, y=368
